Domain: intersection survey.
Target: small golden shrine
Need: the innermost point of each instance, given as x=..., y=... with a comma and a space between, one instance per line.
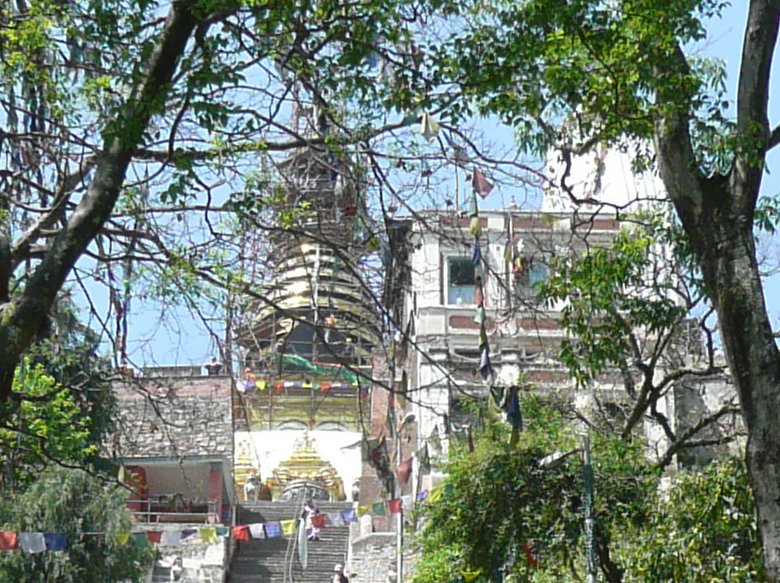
x=306, y=464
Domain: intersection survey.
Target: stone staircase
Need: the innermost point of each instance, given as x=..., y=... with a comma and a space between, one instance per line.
x=263, y=560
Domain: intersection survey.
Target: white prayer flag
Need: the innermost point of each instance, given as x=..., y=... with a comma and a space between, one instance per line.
x=257, y=530
x=32, y=542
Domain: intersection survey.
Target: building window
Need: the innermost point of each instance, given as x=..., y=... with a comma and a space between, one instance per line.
x=530, y=273
x=461, y=281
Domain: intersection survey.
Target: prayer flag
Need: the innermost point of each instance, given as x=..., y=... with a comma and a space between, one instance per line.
x=476, y=253
x=378, y=509
x=469, y=576
x=208, y=535
x=483, y=339
x=222, y=530
x=473, y=207
x=324, y=387
x=154, y=536
x=479, y=293
x=9, y=540
x=32, y=542
x=256, y=530
x=187, y=532
x=422, y=495
x=336, y=519
x=435, y=494
x=485, y=368
x=288, y=527
x=349, y=516
x=404, y=471
x=140, y=540
x=407, y=502
x=318, y=521
x=122, y=537
x=529, y=555
x=241, y=533
x=55, y=541
x=513, y=413
x=480, y=316
x=480, y=183
x=429, y=127
x=273, y=529
x=475, y=227
x=363, y=509
x=171, y=538
x=395, y=506
x=261, y=385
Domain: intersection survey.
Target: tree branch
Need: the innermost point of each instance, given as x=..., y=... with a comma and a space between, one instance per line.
x=753, y=97
x=23, y=317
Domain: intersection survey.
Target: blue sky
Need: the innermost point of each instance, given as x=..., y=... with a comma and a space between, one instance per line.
x=181, y=340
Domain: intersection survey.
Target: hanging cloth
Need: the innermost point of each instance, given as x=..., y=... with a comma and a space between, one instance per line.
x=55, y=541
x=485, y=367
x=476, y=253
x=482, y=186
x=32, y=542
x=429, y=127
x=513, y=413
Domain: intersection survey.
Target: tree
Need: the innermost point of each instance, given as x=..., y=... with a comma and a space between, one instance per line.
x=630, y=306
x=89, y=512
x=530, y=509
x=572, y=75
x=132, y=144
x=48, y=426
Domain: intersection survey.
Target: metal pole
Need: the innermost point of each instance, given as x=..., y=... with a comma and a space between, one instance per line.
x=399, y=526
x=591, y=560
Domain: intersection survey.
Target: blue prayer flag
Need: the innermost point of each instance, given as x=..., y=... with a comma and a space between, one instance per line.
x=55, y=541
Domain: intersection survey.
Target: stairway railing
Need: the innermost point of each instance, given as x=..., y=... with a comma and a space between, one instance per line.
x=292, y=543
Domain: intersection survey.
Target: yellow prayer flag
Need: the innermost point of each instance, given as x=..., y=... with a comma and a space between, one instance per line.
x=261, y=385
x=363, y=509
x=288, y=527
x=122, y=537
x=121, y=475
x=435, y=494
x=469, y=576
x=208, y=535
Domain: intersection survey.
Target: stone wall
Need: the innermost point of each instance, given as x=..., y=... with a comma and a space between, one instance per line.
x=701, y=398
x=372, y=558
x=173, y=418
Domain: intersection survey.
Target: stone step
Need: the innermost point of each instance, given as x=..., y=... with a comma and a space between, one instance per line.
x=263, y=560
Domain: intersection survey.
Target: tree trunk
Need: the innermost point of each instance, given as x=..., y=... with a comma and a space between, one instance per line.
x=732, y=274
x=23, y=315
x=719, y=224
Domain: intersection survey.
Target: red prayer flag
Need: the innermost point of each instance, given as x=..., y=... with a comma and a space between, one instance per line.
x=529, y=555
x=279, y=387
x=404, y=471
x=9, y=540
x=394, y=506
x=324, y=387
x=154, y=536
x=241, y=533
x=318, y=521
x=480, y=183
